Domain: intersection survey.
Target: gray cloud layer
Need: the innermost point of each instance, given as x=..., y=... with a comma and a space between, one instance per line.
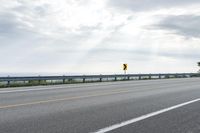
x=185, y=25
x=10, y=26
x=141, y=5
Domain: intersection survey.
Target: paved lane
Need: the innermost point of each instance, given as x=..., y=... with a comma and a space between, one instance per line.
x=181, y=120
x=86, y=108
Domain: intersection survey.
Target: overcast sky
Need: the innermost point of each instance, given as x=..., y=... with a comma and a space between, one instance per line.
x=98, y=36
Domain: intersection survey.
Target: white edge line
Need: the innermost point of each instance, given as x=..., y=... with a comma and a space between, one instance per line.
x=134, y=120
x=3, y=91
x=26, y=90
x=42, y=88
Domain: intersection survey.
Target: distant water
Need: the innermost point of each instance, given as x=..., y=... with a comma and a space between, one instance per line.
x=35, y=74
x=44, y=74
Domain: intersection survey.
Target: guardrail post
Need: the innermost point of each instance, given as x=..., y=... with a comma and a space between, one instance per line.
x=39, y=80
x=100, y=79
x=128, y=78
x=83, y=80
x=8, y=83
x=63, y=81
x=183, y=76
x=159, y=76
x=149, y=76
x=115, y=78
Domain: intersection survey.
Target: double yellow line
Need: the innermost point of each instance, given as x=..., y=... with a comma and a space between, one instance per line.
x=65, y=99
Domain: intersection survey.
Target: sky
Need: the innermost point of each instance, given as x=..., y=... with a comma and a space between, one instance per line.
x=97, y=36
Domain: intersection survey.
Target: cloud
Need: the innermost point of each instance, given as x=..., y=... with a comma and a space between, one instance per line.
x=89, y=36
x=10, y=26
x=184, y=25
x=40, y=34
x=144, y=5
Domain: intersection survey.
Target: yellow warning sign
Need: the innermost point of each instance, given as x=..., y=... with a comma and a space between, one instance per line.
x=125, y=67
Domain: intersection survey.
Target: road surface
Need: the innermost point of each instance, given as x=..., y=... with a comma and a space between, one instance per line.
x=148, y=106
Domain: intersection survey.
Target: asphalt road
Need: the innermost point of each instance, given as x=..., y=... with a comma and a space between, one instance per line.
x=87, y=108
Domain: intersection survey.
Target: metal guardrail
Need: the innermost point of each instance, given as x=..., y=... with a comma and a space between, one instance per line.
x=97, y=78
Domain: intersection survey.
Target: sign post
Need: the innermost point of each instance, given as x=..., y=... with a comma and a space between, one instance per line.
x=125, y=68
x=199, y=66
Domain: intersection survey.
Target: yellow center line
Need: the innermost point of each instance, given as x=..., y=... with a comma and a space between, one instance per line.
x=64, y=99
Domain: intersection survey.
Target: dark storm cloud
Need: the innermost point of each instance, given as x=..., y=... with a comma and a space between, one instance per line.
x=142, y=5
x=185, y=25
